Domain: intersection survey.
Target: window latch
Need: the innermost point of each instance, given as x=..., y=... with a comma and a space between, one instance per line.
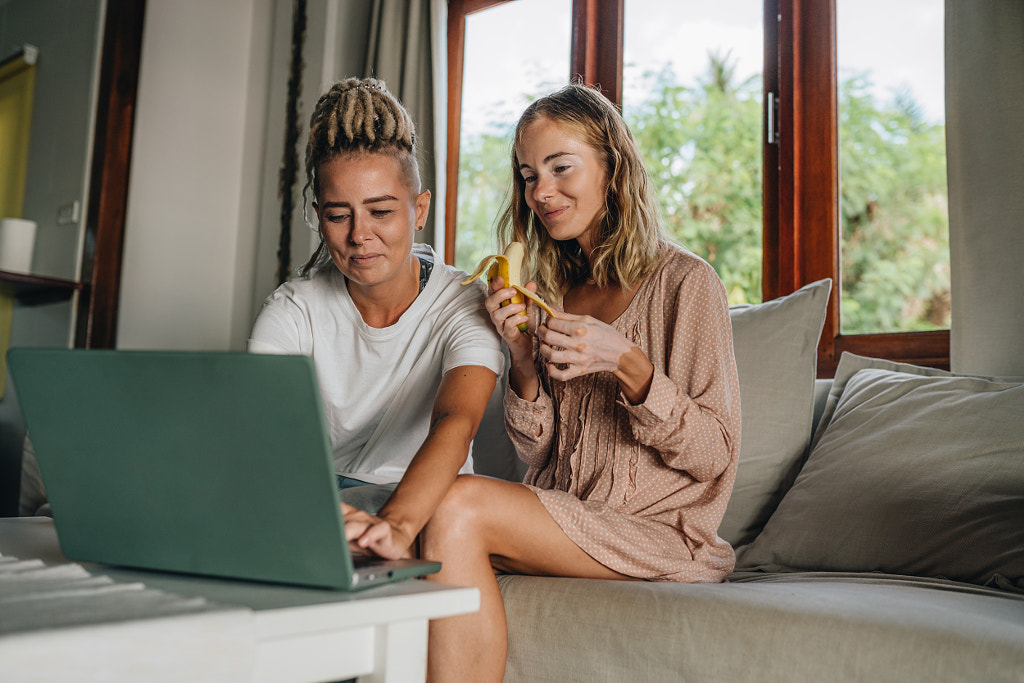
x=771, y=114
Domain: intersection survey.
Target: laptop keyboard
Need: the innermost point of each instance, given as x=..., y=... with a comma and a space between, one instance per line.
x=366, y=561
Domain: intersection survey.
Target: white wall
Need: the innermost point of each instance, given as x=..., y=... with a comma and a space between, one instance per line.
x=202, y=222
x=195, y=178
x=202, y=226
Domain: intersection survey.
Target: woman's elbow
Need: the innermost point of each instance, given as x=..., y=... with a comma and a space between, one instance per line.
x=703, y=464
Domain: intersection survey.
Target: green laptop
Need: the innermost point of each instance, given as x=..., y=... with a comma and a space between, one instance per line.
x=211, y=463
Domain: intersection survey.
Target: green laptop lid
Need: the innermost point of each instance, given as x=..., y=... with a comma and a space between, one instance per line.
x=199, y=462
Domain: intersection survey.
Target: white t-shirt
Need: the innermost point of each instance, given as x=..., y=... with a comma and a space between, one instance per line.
x=378, y=385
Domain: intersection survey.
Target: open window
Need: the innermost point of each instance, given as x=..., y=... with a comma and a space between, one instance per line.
x=814, y=163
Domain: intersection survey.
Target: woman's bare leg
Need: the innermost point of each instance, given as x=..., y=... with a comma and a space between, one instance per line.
x=484, y=524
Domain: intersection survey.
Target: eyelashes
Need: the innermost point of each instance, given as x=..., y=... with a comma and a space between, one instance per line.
x=561, y=169
x=376, y=213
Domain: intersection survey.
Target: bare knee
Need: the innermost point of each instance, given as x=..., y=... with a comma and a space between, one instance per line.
x=457, y=518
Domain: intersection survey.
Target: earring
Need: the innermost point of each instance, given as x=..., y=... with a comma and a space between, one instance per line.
x=418, y=228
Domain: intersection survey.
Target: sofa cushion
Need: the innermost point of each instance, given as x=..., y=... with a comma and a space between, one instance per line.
x=918, y=473
x=792, y=628
x=776, y=345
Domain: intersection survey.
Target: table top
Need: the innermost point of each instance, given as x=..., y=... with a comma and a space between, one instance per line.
x=36, y=538
x=64, y=621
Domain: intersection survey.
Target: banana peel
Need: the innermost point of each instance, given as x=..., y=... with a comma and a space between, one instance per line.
x=508, y=267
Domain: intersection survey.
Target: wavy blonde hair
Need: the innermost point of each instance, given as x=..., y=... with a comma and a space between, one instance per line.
x=629, y=234
x=356, y=116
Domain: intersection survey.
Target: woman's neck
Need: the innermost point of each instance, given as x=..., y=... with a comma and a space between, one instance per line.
x=586, y=248
x=604, y=303
x=382, y=305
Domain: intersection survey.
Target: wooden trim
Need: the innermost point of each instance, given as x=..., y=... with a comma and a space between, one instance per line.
x=108, y=184
x=583, y=43
x=464, y=7
x=596, y=55
x=930, y=349
x=801, y=232
x=816, y=156
x=456, y=54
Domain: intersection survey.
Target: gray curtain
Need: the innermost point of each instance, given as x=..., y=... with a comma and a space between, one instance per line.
x=985, y=157
x=399, y=52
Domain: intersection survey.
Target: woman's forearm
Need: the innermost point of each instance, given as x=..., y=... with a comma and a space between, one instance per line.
x=429, y=475
x=458, y=408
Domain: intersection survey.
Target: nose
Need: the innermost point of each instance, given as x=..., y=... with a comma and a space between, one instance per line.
x=360, y=232
x=542, y=190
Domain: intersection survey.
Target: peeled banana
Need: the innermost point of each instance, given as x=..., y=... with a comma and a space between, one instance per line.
x=507, y=266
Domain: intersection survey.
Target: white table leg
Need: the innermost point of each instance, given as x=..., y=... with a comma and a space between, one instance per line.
x=400, y=653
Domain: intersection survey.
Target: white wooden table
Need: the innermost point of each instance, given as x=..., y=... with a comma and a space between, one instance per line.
x=244, y=630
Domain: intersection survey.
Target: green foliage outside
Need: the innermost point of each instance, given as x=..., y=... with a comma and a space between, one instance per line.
x=484, y=183
x=702, y=147
x=895, y=244
x=701, y=143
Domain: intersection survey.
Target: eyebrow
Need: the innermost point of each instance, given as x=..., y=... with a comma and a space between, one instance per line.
x=548, y=158
x=382, y=198
x=371, y=200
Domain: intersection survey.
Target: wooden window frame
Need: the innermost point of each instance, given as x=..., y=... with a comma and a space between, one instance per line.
x=801, y=166
x=801, y=227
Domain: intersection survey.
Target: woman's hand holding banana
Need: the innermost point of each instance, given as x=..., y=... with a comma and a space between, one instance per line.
x=512, y=319
x=507, y=307
x=508, y=267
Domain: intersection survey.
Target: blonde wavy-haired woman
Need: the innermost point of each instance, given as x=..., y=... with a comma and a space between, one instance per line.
x=406, y=358
x=625, y=404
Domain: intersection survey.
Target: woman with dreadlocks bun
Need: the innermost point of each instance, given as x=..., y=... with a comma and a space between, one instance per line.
x=405, y=357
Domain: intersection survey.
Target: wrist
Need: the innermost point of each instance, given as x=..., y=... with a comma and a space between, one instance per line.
x=520, y=358
x=400, y=524
x=634, y=374
x=523, y=379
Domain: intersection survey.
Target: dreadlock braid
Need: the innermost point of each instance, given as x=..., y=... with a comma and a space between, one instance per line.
x=357, y=116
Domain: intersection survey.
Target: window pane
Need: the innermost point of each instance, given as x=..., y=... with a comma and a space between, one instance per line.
x=892, y=161
x=692, y=96
x=511, y=57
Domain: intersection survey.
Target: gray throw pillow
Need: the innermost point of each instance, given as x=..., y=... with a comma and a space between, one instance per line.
x=918, y=473
x=849, y=365
x=776, y=347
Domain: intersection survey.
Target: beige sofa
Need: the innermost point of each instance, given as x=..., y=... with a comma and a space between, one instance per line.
x=878, y=521
x=888, y=547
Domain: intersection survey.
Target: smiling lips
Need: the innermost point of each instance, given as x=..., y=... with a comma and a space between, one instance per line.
x=555, y=213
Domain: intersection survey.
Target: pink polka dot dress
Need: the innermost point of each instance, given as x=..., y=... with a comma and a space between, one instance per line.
x=642, y=488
